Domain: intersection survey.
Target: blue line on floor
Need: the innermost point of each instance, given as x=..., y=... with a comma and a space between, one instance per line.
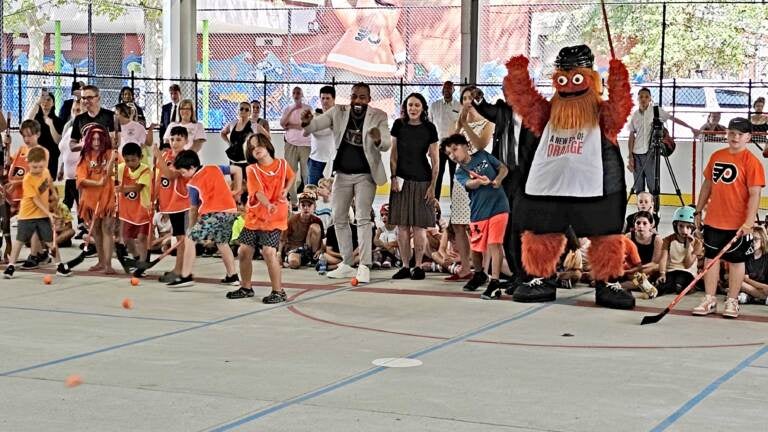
x=172, y=333
x=96, y=314
x=708, y=390
x=370, y=372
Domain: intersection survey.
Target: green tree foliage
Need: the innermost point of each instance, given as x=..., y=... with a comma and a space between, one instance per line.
x=715, y=38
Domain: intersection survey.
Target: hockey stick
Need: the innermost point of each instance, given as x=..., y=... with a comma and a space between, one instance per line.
x=81, y=257
x=652, y=319
x=142, y=266
x=607, y=28
x=7, y=211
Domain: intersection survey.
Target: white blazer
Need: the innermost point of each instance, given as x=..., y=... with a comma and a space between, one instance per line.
x=337, y=118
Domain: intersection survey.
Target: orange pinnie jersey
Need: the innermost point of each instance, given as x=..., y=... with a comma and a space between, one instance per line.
x=731, y=176
x=172, y=195
x=130, y=206
x=269, y=180
x=93, y=198
x=19, y=167
x=215, y=195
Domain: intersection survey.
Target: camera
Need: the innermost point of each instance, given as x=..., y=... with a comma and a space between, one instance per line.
x=657, y=131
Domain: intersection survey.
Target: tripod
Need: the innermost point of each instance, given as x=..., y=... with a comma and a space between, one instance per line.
x=655, y=154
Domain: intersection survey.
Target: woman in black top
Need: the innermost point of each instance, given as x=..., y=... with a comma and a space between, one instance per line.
x=50, y=129
x=235, y=134
x=412, y=197
x=127, y=97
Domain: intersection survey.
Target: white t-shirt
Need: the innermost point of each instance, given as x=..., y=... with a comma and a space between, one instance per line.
x=132, y=132
x=321, y=143
x=642, y=125
x=195, y=131
x=386, y=235
x=444, y=116
x=69, y=159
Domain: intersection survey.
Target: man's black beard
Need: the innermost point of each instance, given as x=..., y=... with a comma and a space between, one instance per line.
x=359, y=110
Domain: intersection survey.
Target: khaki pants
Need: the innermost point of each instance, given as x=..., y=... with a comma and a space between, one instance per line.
x=362, y=188
x=297, y=156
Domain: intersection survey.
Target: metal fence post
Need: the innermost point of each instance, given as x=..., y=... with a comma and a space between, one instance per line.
x=401, y=90
x=264, y=100
x=196, y=97
x=749, y=108
x=18, y=80
x=133, y=84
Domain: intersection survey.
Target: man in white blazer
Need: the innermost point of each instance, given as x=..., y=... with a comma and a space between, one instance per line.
x=361, y=134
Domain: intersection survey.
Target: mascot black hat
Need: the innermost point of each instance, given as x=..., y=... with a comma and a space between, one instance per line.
x=575, y=57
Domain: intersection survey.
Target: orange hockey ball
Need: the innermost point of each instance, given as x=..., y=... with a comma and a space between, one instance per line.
x=134, y=281
x=73, y=381
x=127, y=303
x=354, y=282
x=47, y=279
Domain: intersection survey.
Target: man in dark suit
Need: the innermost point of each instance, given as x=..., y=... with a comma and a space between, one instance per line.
x=65, y=112
x=516, y=152
x=170, y=113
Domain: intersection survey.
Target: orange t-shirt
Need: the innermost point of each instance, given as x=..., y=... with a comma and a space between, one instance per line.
x=214, y=192
x=34, y=186
x=172, y=196
x=19, y=167
x=92, y=197
x=131, y=207
x=269, y=180
x=731, y=176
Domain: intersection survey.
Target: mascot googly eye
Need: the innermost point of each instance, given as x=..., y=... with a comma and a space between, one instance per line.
x=577, y=79
x=562, y=80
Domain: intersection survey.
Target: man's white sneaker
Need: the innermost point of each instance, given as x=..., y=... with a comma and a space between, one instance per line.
x=363, y=274
x=343, y=271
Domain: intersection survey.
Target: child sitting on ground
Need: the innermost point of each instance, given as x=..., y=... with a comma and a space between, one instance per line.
x=385, y=252
x=302, y=240
x=644, y=203
x=62, y=220
x=679, y=253
x=755, y=285
x=648, y=245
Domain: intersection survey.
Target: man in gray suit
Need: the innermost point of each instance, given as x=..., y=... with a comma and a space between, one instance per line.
x=361, y=134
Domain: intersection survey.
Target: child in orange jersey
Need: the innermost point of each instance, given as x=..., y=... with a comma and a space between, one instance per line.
x=211, y=198
x=34, y=216
x=268, y=182
x=172, y=196
x=19, y=167
x=97, y=192
x=135, y=182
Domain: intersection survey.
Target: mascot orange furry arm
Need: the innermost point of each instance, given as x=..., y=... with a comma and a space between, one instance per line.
x=576, y=180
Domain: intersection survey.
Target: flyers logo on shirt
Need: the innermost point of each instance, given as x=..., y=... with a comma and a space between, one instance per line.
x=724, y=172
x=132, y=195
x=164, y=182
x=19, y=172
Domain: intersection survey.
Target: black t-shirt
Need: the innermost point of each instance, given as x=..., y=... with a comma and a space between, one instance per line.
x=757, y=268
x=236, y=150
x=105, y=118
x=47, y=142
x=413, y=143
x=350, y=159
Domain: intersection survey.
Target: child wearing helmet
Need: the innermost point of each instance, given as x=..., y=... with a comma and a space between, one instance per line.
x=680, y=253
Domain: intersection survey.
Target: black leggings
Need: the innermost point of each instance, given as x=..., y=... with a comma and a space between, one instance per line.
x=71, y=196
x=451, y=171
x=676, y=281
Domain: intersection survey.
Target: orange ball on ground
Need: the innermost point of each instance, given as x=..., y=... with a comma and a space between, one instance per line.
x=127, y=303
x=73, y=381
x=47, y=279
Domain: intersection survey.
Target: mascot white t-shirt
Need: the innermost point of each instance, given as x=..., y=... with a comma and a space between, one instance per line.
x=567, y=163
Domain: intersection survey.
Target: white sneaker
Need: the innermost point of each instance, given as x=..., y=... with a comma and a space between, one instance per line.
x=744, y=298
x=343, y=271
x=363, y=274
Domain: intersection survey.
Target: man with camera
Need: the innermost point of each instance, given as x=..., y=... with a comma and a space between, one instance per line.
x=641, y=135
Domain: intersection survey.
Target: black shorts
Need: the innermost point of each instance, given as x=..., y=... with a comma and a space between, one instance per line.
x=715, y=239
x=257, y=239
x=179, y=223
x=28, y=227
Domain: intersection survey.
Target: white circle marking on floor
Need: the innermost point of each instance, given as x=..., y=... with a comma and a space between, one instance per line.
x=395, y=362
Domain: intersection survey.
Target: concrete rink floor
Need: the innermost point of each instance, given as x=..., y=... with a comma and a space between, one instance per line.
x=187, y=359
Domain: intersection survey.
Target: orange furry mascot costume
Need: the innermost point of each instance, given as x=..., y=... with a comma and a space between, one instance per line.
x=576, y=180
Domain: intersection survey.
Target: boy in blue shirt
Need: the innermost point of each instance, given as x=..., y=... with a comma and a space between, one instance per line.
x=481, y=174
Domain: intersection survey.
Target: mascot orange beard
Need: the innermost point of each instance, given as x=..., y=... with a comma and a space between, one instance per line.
x=576, y=106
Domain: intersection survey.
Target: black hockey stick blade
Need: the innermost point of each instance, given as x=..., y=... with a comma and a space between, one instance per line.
x=653, y=319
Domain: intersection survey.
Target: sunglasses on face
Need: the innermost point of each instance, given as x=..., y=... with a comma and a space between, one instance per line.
x=89, y=97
